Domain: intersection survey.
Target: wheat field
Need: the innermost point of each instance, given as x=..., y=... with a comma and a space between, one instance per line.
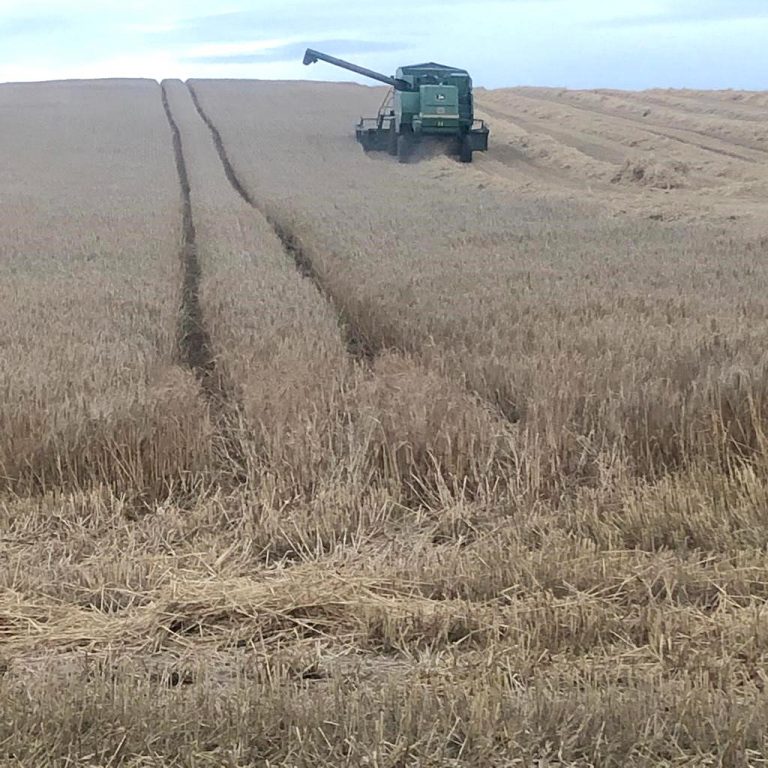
x=310, y=458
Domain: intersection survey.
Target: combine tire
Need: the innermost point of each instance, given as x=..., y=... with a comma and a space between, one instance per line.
x=403, y=147
x=392, y=147
x=465, y=153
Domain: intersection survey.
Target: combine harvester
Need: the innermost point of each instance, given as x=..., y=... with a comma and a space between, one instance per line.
x=425, y=100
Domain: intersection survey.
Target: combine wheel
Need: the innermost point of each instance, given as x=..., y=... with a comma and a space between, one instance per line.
x=465, y=154
x=392, y=148
x=403, y=147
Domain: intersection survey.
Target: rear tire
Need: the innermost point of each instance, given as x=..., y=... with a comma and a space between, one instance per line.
x=465, y=153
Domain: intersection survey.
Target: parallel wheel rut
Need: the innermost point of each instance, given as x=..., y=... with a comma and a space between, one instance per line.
x=195, y=347
x=357, y=344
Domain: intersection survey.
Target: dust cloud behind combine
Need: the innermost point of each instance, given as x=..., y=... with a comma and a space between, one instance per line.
x=312, y=458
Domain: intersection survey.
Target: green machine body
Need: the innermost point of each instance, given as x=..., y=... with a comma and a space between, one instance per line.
x=425, y=100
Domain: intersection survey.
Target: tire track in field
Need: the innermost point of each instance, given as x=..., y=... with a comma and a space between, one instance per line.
x=194, y=339
x=358, y=345
x=195, y=346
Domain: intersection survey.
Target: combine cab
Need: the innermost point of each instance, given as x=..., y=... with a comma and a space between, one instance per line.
x=426, y=100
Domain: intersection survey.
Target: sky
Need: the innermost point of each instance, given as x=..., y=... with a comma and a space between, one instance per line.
x=630, y=44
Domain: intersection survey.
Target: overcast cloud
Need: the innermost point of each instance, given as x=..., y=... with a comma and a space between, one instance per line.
x=568, y=43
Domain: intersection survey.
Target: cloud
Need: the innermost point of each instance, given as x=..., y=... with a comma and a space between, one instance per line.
x=30, y=25
x=306, y=18
x=690, y=12
x=295, y=51
x=268, y=23
x=701, y=43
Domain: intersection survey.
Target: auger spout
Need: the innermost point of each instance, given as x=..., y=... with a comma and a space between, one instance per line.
x=312, y=56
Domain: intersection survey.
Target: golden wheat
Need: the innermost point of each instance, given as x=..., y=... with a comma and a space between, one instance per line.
x=486, y=488
x=89, y=290
x=603, y=335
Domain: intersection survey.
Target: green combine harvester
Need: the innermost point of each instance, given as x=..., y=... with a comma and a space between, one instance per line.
x=426, y=100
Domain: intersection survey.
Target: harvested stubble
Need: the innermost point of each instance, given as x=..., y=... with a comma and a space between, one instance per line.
x=90, y=389
x=464, y=635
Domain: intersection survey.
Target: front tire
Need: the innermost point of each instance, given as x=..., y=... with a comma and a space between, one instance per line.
x=465, y=153
x=403, y=147
x=392, y=146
